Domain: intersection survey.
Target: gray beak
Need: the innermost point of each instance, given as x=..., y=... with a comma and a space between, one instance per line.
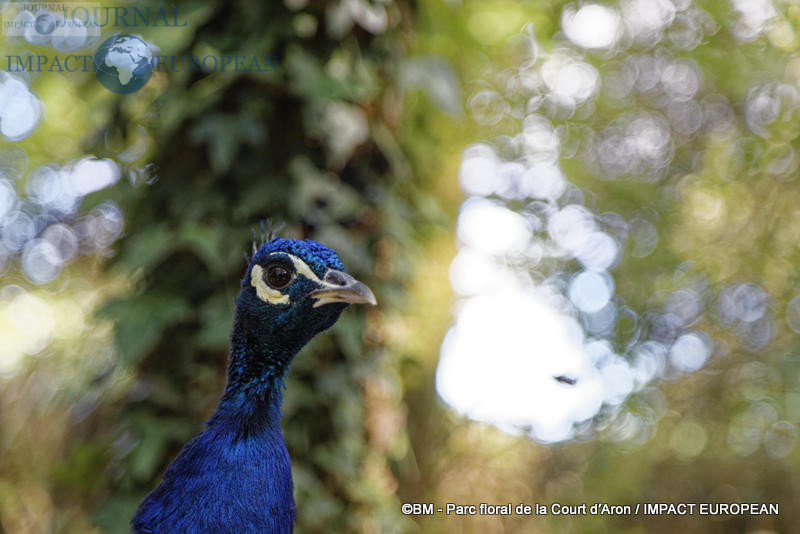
x=341, y=287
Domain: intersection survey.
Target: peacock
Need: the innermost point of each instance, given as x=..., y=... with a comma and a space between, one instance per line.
x=235, y=476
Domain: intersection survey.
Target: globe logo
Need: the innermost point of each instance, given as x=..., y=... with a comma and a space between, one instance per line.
x=44, y=24
x=123, y=64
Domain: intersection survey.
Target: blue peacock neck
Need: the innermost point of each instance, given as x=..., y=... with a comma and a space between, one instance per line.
x=259, y=359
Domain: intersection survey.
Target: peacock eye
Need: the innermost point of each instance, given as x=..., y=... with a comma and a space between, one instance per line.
x=278, y=275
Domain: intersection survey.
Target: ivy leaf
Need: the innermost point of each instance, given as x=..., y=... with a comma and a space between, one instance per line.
x=206, y=242
x=140, y=321
x=224, y=134
x=155, y=434
x=147, y=247
x=309, y=80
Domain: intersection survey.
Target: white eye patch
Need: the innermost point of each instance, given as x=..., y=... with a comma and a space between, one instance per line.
x=264, y=292
x=274, y=296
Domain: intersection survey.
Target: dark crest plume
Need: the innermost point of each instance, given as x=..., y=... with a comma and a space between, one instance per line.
x=268, y=233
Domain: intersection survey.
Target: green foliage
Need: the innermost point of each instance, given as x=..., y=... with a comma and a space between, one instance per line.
x=141, y=321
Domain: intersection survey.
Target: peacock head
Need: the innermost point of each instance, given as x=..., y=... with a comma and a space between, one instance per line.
x=295, y=289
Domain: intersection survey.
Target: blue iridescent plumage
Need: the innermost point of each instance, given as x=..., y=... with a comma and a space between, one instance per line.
x=235, y=476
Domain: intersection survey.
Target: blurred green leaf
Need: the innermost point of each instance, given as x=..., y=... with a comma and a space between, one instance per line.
x=140, y=321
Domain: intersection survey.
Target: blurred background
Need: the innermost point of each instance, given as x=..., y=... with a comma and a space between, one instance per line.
x=580, y=219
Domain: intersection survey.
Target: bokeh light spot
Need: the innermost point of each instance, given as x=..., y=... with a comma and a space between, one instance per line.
x=590, y=291
x=689, y=352
x=591, y=26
